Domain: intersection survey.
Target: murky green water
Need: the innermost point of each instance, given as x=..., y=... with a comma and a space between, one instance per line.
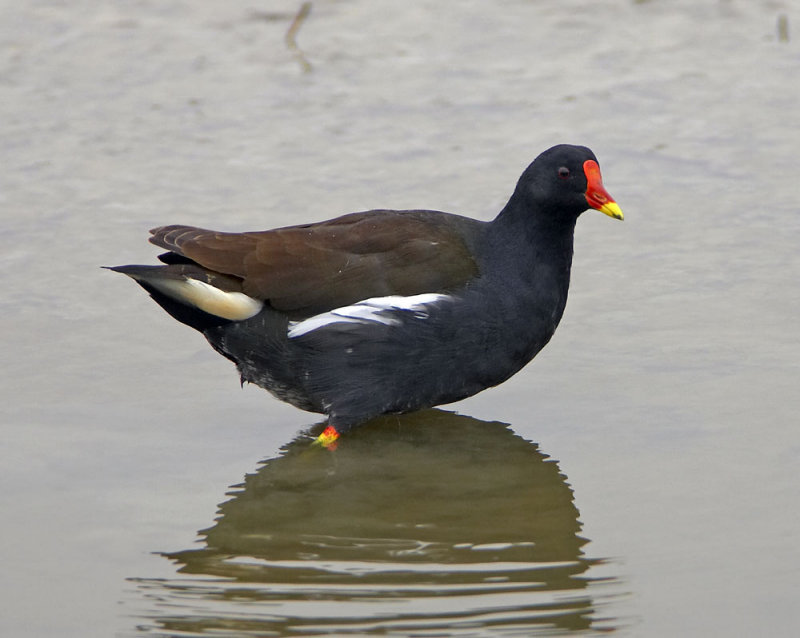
x=639, y=476
x=427, y=523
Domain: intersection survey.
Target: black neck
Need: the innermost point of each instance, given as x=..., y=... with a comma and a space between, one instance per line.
x=544, y=235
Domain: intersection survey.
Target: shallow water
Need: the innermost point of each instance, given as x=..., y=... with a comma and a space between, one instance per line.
x=404, y=528
x=639, y=476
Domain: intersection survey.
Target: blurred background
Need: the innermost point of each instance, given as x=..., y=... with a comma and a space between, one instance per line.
x=640, y=476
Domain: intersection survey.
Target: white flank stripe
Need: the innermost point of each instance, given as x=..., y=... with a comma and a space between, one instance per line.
x=375, y=310
x=235, y=306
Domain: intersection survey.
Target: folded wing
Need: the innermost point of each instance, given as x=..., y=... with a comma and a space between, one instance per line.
x=318, y=267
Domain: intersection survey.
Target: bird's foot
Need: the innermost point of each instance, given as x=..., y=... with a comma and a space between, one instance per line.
x=329, y=438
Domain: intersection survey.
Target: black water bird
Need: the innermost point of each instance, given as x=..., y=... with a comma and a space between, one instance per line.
x=385, y=311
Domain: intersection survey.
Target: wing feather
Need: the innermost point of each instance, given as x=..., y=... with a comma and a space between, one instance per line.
x=317, y=267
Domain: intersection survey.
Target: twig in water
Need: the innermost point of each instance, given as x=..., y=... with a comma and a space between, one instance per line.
x=291, y=43
x=783, y=28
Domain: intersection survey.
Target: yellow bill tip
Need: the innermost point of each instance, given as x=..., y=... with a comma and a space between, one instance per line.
x=612, y=209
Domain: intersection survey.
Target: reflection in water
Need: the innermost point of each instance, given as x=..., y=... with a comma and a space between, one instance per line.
x=425, y=524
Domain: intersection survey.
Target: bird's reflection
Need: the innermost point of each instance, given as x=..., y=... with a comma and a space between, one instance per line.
x=428, y=522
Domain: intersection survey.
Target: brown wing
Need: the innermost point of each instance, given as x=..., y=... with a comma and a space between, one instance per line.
x=321, y=266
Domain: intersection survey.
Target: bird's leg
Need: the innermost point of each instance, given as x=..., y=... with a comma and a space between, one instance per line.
x=328, y=439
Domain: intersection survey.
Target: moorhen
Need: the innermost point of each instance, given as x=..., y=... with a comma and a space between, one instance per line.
x=384, y=311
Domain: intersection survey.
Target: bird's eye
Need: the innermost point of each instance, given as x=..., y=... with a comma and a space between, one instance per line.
x=563, y=172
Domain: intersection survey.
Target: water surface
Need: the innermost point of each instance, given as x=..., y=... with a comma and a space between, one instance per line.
x=424, y=523
x=668, y=396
